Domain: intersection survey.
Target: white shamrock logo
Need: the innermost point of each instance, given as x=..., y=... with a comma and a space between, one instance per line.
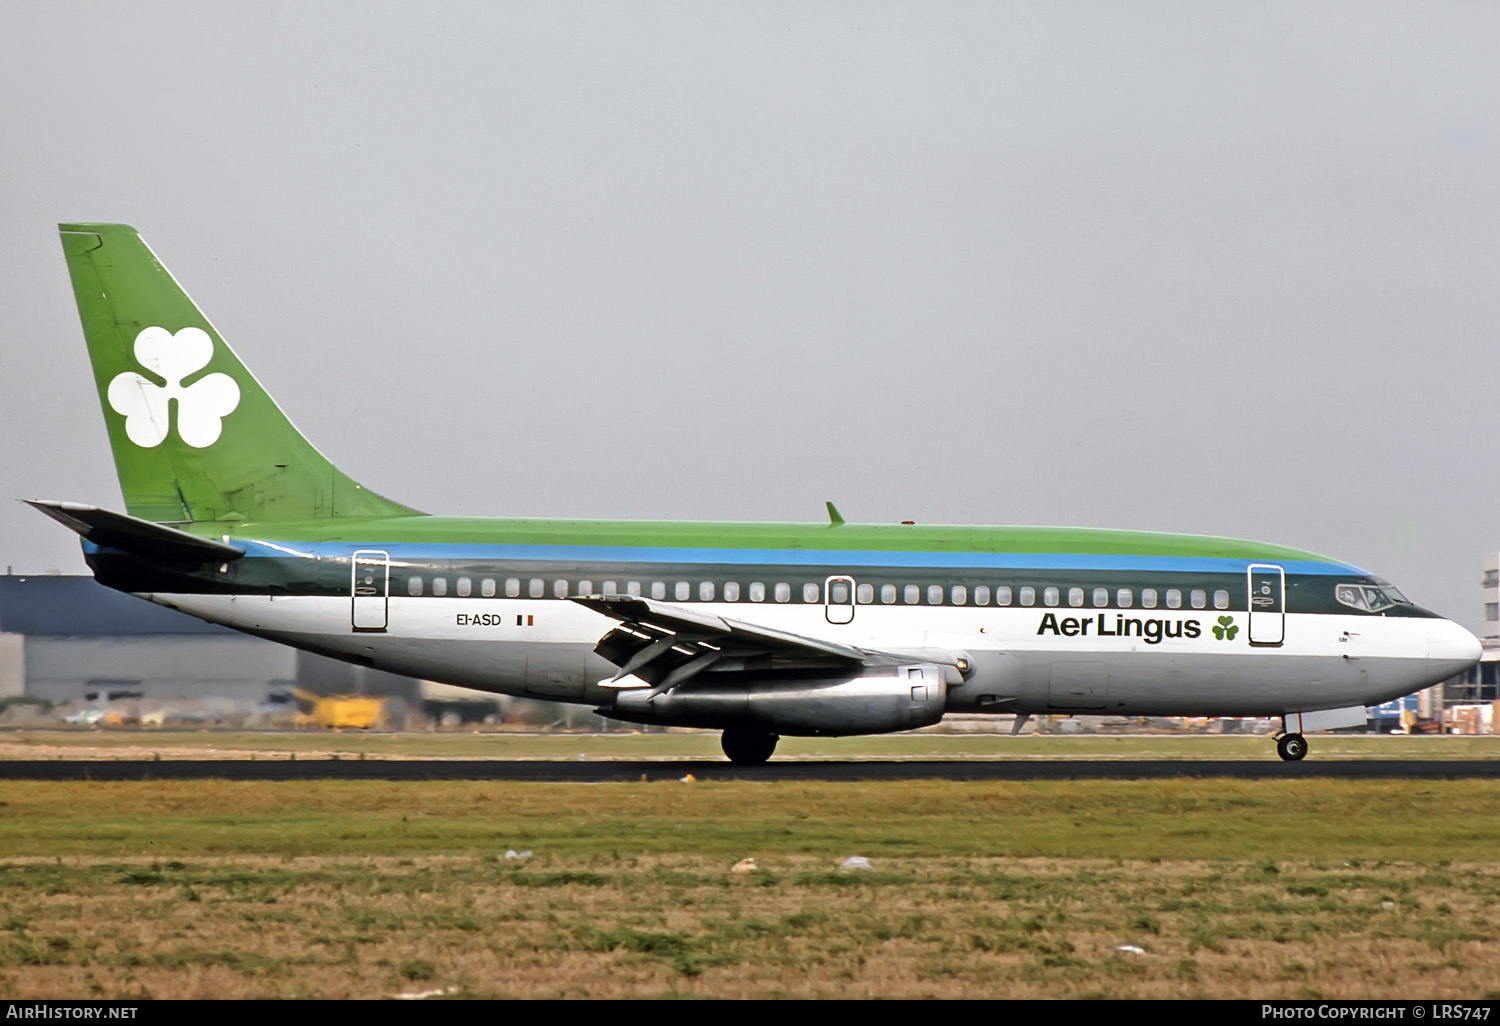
x=146, y=405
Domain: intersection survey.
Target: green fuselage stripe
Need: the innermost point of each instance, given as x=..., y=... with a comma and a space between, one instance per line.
x=787, y=539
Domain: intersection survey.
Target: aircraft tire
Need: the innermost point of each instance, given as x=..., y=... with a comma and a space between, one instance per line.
x=1291, y=747
x=746, y=746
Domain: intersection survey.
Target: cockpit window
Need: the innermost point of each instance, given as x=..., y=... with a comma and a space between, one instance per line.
x=1369, y=597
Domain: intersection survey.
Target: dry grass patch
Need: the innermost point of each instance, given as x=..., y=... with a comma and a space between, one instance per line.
x=366, y=889
x=141, y=743
x=928, y=927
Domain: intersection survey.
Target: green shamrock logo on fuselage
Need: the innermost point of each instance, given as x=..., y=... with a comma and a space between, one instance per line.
x=1226, y=630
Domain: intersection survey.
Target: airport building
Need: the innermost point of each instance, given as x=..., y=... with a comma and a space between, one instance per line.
x=1491, y=583
x=1470, y=702
x=70, y=644
x=67, y=639
x=1481, y=685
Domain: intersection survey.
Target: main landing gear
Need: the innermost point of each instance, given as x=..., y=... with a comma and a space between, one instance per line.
x=747, y=746
x=1291, y=747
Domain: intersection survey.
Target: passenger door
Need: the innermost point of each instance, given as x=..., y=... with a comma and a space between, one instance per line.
x=1267, y=604
x=369, y=588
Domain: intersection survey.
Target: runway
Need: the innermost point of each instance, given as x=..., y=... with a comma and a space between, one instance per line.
x=520, y=770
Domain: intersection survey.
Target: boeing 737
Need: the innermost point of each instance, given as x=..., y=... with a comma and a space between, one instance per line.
x=757, y=630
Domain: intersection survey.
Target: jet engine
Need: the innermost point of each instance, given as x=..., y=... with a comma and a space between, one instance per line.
x=883, y=700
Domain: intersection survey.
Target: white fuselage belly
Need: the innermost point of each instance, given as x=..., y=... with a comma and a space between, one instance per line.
x=1021, y=663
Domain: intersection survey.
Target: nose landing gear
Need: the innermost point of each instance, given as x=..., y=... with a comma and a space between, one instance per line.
x=1291, y=747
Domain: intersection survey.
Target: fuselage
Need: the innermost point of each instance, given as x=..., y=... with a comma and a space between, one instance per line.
x=1046, y=619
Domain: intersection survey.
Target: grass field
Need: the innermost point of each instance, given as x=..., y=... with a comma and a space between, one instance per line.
x=197, y=744
x=367, y=889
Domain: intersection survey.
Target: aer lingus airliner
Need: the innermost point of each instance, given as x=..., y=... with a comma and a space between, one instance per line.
x=758, y=630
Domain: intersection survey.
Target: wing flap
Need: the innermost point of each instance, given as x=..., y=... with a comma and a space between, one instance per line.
x=663, y=645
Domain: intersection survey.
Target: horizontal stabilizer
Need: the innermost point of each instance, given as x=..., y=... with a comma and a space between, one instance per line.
x=131, y=534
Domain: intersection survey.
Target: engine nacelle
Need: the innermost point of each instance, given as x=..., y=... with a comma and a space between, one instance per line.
x=887, y=699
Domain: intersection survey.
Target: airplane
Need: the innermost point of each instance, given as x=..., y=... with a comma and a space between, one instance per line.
x=758, y=630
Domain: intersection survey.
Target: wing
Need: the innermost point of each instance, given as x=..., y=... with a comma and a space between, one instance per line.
x=666, y=645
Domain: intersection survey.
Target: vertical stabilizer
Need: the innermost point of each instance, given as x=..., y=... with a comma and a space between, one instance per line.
x=194, y=435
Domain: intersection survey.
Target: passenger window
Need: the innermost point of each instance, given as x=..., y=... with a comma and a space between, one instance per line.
x=888, y=593
x=440, y=585
x=1075, y=596
x=1002, y=595
x=560, y=589
x=1199, y=598
x=838, y=592
x=487, y=587
x=683, y=590
x=1101, y=596
x=958, y=595
x=465, y=586
x=585, y=587
x=1221, y=599
x=414, y=586
x=658, y=590
x=705, y=591
x=783, y=592
x=911, y=594
x=512, y=587
x=537, y=588
x=934, y=594
x=1148, y=598
x=757, y=591
x=865, y=593
x=1174, y=598
x=1049, y=596
x=982, y=595
x=1124, y=599
x=731, y=591
x=1028, y=596
x=633, y=589
x=610, y=589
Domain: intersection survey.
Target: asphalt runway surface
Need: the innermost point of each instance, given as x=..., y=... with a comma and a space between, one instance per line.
x=621, y=771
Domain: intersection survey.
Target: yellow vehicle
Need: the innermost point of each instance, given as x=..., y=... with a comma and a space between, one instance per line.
x=339, y=712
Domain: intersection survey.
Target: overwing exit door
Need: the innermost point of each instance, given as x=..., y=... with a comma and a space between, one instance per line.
x=838, y=599
x=369, y=589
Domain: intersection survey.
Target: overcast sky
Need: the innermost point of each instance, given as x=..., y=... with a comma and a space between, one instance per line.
x=1217, y=268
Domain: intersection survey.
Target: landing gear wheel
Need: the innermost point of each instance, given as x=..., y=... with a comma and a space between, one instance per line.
x=746, y=746
x=1291, y=747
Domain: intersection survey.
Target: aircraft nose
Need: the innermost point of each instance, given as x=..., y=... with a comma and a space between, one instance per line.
x=1451, y=649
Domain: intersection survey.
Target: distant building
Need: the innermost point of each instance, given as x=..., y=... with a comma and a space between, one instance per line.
x=1491, y=583
x=70, y=639
x=1480, y=685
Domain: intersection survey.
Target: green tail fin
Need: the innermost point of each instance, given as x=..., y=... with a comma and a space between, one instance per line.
x=194, y=435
